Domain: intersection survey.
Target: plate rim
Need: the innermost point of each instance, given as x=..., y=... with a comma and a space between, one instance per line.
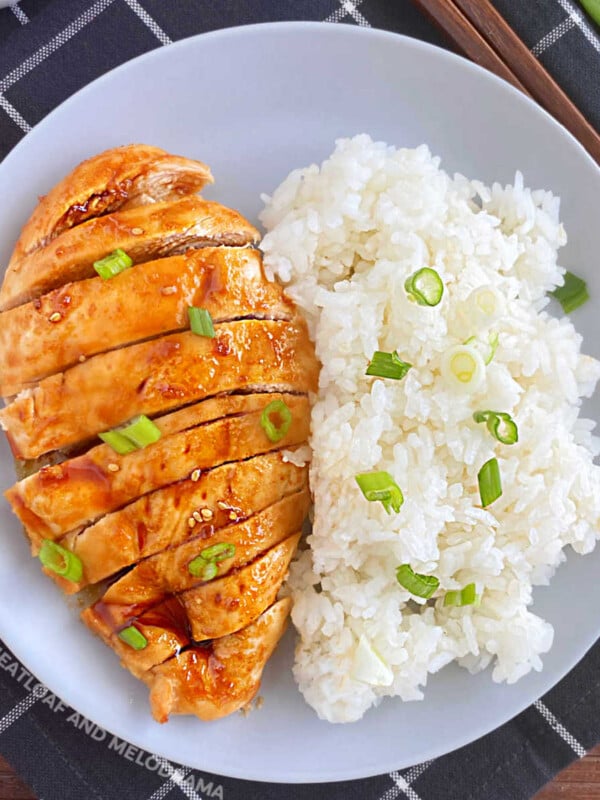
x=338, y=29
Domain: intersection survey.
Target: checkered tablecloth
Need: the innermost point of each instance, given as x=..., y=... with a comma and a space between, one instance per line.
x=48, y=50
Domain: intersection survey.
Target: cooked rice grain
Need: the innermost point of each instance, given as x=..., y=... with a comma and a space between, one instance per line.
x=343, y=238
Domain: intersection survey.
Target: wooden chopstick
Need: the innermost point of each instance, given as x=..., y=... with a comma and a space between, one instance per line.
x=469, y=22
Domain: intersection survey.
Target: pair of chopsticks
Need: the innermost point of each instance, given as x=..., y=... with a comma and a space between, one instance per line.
x=483, y=35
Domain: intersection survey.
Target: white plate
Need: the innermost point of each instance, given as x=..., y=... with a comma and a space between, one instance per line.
x=254, y=103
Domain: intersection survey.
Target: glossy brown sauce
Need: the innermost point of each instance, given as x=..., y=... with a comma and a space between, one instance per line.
x=94, y=206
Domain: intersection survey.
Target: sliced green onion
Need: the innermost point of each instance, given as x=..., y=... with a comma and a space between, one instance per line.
x=119, y=443
x=483, y=306
x=201, y=322
x=425, y=287
x=276, y=432
x=463, y=368
x=572, y=294
x=138, y=433
x=381, y=487
x=593, y=9
x=201, y=568
x=218, y=552
x=141, y=431
x=387, y=365
x=488, y=351
x=112, y=264
x=61, y=561
x=493, y=343
x=133, y=637
x=462, y=597
x=415, y=583
x=490, y=486
x=500, y=424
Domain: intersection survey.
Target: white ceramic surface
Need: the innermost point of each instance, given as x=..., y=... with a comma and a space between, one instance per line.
x=254, y=103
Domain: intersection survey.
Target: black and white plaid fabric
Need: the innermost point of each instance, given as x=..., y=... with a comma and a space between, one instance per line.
x=48, y=50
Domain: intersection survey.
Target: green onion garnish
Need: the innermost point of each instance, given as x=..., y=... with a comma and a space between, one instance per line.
x=387, y=365
x=61, y=561
x=218, y=552
x=133, y=638
x=201, y=322
x=593, y=9
x=201, y=568
x=112, y=264
x=141, y=431
x=493, y=342
x=415, y=583
x=138, y=433
x=276, y=432
x=572, y=294
x=492, y=346
x=425, y=286
x=462, y=597
x=381, y=487
x=500, y=424
x=490, y=486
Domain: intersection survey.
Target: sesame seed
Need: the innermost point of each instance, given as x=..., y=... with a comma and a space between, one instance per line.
x=223, y=506
x=112, y=467
x=137, y=231
x=206, y=514
x=168, y=290
x=232, y=515
x=195, y=476
x=191, y=522
x=81, y=359
x=56, y=317
x=196, y=516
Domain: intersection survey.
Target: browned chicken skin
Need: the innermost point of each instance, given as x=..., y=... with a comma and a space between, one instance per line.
x=144, y=233
x=187, y=539
x=95, y=315
x=119, y=178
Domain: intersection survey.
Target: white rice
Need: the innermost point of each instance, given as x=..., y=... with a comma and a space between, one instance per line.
x=343, y=238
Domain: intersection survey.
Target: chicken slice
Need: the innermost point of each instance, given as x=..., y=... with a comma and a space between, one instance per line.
x=214, y=681
x=122, y=177
x=156, y=376
x=92, y=316
x=168, y=572
x=165, y=629
x=164, y=518
x=65, y=496
x=144, y=233
x=213, y=610
x=224, y=606
x=168, y=627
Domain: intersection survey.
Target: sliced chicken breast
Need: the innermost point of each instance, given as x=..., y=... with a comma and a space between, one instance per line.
x=120, y=177
x=144, y=233
x=227, y=605
x=165, y=630
x=156, y=376
x=66, y=496
x=214, y=681
x=93, y=316
x=167, y=573
x=164, y=518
